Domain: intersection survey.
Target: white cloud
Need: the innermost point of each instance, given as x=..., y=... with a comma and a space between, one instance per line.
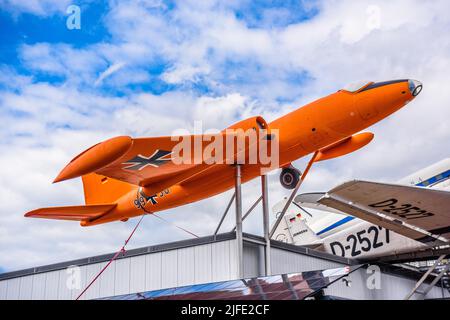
x=182, y=73
x=77, y=66
x=37, y=7
x=108, y=72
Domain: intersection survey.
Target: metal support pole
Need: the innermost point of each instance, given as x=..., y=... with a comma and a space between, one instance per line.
x=425, y=276
x=239, y=238
x=265, y=205
x=248, y=211
x=224, y=215
x=294, y=192
x=289, y=285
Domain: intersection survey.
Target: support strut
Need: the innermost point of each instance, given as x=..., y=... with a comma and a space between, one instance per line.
x=266, y=227
x=294, y=192
x=239, y=238
x=424, y=277
x=224, y=215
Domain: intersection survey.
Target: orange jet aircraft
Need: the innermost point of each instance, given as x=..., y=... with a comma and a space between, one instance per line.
x=125, y=177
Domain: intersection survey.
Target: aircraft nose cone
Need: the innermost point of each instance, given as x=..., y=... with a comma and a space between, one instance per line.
x=415, y=87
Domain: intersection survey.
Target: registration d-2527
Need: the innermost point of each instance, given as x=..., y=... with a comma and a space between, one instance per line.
x=363, y=241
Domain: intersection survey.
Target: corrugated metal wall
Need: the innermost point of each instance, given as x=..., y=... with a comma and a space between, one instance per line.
x=180, y=264
x=190, y=265
x=287, y=262
x=391, y=288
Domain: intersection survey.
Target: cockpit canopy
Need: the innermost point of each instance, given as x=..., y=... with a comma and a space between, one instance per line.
x=357, y=86
x=414, y=86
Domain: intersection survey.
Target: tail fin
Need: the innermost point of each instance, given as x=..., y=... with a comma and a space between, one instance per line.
x=302, y=234
x=293, y=228
x=310, y=217
x=99, y=189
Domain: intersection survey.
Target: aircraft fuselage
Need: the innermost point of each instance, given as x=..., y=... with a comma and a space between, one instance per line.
x=301, y=132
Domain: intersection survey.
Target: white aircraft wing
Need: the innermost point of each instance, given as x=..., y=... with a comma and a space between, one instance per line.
x=421, y=214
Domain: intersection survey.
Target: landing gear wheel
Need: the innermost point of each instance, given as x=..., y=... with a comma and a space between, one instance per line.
x=289, y=178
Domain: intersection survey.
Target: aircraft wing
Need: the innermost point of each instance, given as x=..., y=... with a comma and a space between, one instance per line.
x=421, y=214
x=157, y=162
x=149, y=161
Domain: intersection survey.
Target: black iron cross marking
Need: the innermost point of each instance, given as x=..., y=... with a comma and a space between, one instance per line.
x=155, y=160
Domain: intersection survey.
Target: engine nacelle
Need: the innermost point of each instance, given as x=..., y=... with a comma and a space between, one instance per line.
x=247, y=136
x=256, y=123
x=289, y=177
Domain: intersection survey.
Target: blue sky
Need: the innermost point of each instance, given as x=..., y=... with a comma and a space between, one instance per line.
x=21, y=29
x=147, y=68
x=28, y=28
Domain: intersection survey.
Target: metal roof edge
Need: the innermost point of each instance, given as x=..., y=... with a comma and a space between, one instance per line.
x=129, y=253
x=173, y=246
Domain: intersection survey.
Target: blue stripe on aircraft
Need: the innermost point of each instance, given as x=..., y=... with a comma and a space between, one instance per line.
x=336, y=224
x=430, y=181
x=435, y=179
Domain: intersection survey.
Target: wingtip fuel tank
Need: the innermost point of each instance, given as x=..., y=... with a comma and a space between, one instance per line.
x=95, y=158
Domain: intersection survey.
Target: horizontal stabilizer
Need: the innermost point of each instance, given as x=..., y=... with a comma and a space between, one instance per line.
x=311, y=201
x=74, y=213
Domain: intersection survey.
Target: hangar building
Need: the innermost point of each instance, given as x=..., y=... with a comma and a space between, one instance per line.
x=206, y=260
